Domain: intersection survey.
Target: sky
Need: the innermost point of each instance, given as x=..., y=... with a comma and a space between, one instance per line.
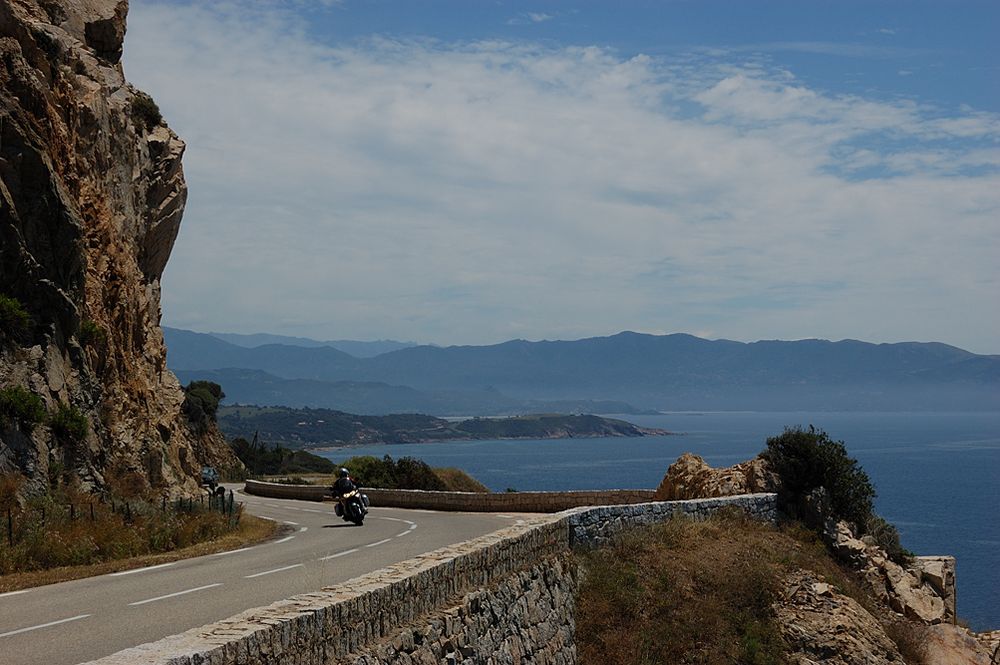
x=471, y=172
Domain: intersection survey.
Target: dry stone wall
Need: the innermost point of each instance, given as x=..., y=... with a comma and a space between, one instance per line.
x=503, y=598
x=489, y=502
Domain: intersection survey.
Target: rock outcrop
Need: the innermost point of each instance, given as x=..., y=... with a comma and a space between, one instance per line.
x=690, y=477
x=91, y=197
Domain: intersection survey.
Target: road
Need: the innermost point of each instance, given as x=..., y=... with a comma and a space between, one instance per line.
x=81, y=620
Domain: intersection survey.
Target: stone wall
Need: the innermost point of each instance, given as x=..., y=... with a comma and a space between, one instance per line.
x=488, y=502
x=499, y=598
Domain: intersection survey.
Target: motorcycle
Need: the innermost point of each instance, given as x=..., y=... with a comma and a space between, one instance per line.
x=352, y=506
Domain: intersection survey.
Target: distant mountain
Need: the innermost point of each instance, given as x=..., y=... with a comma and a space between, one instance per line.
x=666, y=372
x=355, y=348
x=250, y=386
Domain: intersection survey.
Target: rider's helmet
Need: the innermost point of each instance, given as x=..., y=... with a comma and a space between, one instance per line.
x=344, y=473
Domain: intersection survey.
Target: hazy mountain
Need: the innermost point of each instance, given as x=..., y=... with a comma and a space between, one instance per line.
x=250, y=386
x=355, y=348
x=649, y=371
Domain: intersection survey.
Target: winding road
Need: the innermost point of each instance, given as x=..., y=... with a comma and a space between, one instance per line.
x=81, y=620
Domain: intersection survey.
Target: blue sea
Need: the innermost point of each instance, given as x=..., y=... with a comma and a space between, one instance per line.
x=937, y=474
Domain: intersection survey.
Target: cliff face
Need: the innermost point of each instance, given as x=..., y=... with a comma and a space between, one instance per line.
x=91, y=197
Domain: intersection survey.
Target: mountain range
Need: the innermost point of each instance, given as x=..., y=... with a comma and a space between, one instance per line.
x=621, y=373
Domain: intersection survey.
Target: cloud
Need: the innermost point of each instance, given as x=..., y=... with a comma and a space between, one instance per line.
x=474, y=192
x=528, y=18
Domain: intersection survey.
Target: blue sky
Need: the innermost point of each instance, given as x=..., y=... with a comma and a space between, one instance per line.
x=471, y=172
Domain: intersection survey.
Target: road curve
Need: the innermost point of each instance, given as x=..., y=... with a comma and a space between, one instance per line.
x=81, y=620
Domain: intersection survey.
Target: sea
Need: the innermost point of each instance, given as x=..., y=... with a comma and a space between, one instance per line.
x=937, y=474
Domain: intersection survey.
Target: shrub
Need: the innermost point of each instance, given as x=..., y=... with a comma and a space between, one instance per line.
x=21, y=407
x=201, y=402
x=145, y=111
x=886, y=536
x=14, y=320
x=807, y=459
x=69, y=424
x=91, y=333
x=406, y=473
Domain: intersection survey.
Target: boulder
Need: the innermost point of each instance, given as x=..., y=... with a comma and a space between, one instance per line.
x=945, y=644
x=691, y=478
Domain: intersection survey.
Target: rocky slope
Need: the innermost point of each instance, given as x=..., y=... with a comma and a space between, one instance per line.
x=91, y=197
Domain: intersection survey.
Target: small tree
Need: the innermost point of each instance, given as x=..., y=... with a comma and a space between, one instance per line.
x=69, y=424
x=14, y=320
x=807, y=459
x=145, y=111
x=201, y=402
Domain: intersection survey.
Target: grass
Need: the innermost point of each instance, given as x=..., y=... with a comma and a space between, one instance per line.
x=251, y=530
x=700, y=592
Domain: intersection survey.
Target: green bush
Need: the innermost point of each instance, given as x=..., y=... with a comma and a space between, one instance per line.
x=91, y=333
x=201, y=402
x=886, y=536
x=14, y=320
x=69, y=424
x=21, y=407
x=145, y=111
x=406, y=473
x=807, y=459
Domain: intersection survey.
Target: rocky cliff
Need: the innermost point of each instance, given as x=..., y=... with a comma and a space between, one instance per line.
x=91, y=197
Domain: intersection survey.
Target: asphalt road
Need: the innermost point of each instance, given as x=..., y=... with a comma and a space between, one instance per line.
x=82, y=620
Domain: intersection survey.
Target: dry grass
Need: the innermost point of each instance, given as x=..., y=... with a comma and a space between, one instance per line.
x=249, y=531
x=696, y=592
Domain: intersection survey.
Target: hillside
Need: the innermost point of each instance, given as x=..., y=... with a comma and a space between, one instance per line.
x=664, y=372
x=91, y=197
x=304, y=428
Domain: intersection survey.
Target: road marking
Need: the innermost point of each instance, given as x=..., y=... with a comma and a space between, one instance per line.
x=14, y=593
x=269, y=519
x=283, y=540
x=292, y=523
x=303, y=529
x=310, y=510
x=142, y=570
x=405, y=533
x=272, y=505
x=242, y=549
x=276, y=570
x=381, y=542
x=334, y=556
x=510, y=517
x=44, y=625
x=172, y=595
x=412, y=526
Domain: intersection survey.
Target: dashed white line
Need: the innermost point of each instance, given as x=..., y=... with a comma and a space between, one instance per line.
x=172, y=595
x=44, y=625
x=338, y=554
x=303, y=529
x=310, y=510
x=405, y=533
x=242, y=549
x=276, y=570
x=142, y=570
x=14, y=593
x=283, y=540
x=381, y=542
x=412, y=526
x=292, y=523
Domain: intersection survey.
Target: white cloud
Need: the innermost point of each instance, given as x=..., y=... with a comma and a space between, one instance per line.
x=469, y=193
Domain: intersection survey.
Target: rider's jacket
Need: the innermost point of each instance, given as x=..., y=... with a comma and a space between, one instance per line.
x=342, y=486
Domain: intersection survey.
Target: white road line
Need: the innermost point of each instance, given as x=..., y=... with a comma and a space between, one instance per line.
x=292, y=523
x=405, y=533
x=14, y=593
x=44, y=625
x=310, y=510
x=303, y=529
x=510, y=517
x=142, y=570
x=334, y=556
x=172, y=595
x=412, y=526
x=381, y=542
x=271, y=505
x=269, y=519
x=283, y=540
x=242, y=549
x=276, y=570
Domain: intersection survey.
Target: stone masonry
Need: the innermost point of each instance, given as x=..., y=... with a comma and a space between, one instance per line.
x=506, y=597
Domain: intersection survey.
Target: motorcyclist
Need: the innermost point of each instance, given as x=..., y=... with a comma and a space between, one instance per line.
x=343, y=484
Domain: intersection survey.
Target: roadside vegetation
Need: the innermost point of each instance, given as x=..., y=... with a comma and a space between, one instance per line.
x=67, y=533
x=703, y=592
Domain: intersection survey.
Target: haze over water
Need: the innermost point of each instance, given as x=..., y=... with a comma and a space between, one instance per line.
x=937, y=474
